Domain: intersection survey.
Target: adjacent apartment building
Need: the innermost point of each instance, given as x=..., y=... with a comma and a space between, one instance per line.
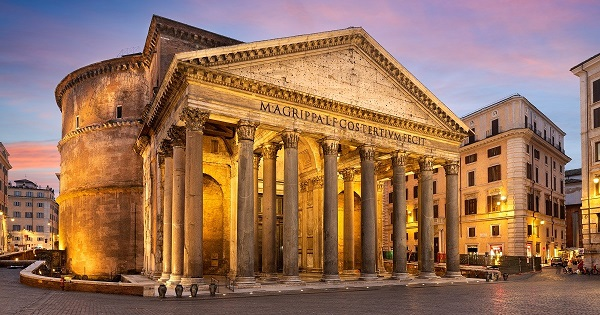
x=589, y=89
x=512, y=192
x=4, y=167
x=33, y=213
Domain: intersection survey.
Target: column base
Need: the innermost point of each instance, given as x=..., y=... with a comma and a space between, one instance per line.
x=453, y=274
x=269, y=278
x=402, y=276
x=367, y=277
x=331, y=278
x=246, y=282
x=427, y=275
x=351, y=272
x=294, y=280
x=164, y=277
x=187, y=281
x=174, y=280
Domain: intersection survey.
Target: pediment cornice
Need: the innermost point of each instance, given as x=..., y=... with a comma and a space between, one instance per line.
x=188, y=72
x=355, y=37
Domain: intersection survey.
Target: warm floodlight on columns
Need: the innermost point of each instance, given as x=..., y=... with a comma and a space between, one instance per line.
x=330, y=209
x=290, y=207
x=399, y=215
x=452, y=220
x=368, y=216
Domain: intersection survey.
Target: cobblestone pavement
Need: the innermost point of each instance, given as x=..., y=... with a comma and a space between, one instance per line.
x=531, y=293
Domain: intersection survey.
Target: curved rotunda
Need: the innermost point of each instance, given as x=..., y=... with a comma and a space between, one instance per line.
x=260, y=158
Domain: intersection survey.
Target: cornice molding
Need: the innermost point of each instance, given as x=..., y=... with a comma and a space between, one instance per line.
x=98, y=127
x=125, y=63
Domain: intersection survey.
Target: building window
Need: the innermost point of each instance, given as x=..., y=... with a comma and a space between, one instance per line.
x=495, y=230
x=537, y=203
x=416, y=214
x=77, y=121
x=17, y=203
x=29, y=204
x=471, y=158
x=546, y=179
x=529, y=230
x=214, y=146
x=29, y=214
x=494, y=151
x=29, y=194
x=39, y=215
x=493, y=203
x=597, y=155
x=495, y=128
x=471, y=206
x=546, y=159
x=472, y=231
x=416, y=236
x=391, y=197
x=471, y=178
x=40, y=204
x=530, y=203
x=29, y=227
x=416, y=192
x=494, y=173
x=17, y=193
x=17, y=214
x=435, y=187
x=536, y=154
x=39, y=228
x=40, y=195
x=537, y=178
x=435, y=211
x=406, y=194
x=596, y=91
x=472, y=136
x=16, y=227
x=119, y=111
x=527, y=148
x=528, y=170
x=415, y=176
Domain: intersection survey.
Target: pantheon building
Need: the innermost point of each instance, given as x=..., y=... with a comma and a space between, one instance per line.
x=205, y=155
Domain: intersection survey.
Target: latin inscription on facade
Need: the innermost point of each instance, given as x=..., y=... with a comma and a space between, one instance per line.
x=342, y=123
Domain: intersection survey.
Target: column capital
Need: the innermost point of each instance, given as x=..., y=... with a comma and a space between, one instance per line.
x=194, y=118
x=426, y=163
x=290, y=139
x=304, y=186
x=177, y=135
x=318, y=181
x=330, y=146
x=269, y=150
x=452, y=167
x=246, y=130
x=161, y=159
x=367, y=152
x=166, y=148
x=348, y=174
x=256, y=160
x=399, y=158
x=141, y=143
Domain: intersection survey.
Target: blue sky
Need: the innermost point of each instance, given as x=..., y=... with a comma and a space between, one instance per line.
x=468, y=53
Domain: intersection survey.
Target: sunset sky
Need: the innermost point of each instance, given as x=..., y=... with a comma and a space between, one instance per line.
x=468, y=53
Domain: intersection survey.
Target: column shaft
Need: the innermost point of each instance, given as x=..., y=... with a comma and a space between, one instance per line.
x=426, y=255
x=167, y=150
x=348, y=219
x=290, y=207
x=257, y=253
x=245, y=205
x=367, y=215
x=452, y=220
x=330, y=209
x=399, y=215
x=269, y=213
x=177, y=135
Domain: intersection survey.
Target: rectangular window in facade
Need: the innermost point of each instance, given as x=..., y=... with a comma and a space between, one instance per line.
x=597, y=153
x=472, y=231
x=529, y=230
x=471, y=178
x=40, y=195
x=39, y=215
x=29, y=214
x=77, y=121
x=30, y=194
x=40, y=204
x=119, y=113
x=17, y=214
x=494, y=173
x=471, y=158
x=493, y=203
x=16, y=227
x=17, y=193
x=29, y=204
x=530, y=203
x=29, y=227
x=416, y=192
x=471, y=206
x=17, y=203
x=416, y=214
x=416, y=236
x=435, y=187
x=596, y=91
x=536, y=154
x=494, y=151
x=495, y=230
x=435, y=211
x=528, y=170
x=39, y=228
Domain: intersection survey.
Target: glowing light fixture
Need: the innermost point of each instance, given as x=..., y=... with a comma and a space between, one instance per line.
x=596, y=180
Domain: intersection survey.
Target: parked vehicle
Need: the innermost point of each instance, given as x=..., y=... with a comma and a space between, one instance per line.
x=556, y=261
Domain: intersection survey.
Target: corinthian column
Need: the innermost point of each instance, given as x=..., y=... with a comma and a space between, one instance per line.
x=245, y=205
x=290, y=207
x=348, y=175
x=452, y=217
x=192, y=255
x=399, y=215
x=368, y=217
x=269, y=213
x=166, y=148
x=177, y=135
x=330, y=209
x=426, y=256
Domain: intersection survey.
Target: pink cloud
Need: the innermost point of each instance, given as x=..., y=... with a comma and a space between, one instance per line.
x=37, y=161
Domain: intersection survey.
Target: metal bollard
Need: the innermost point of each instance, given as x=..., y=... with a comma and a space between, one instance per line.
x=212, y=287
x=179, y=290
x=194, y=290
x=505, y=276
x=162, y=290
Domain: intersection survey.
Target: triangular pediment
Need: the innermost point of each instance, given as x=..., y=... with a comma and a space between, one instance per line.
x=346, y=66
